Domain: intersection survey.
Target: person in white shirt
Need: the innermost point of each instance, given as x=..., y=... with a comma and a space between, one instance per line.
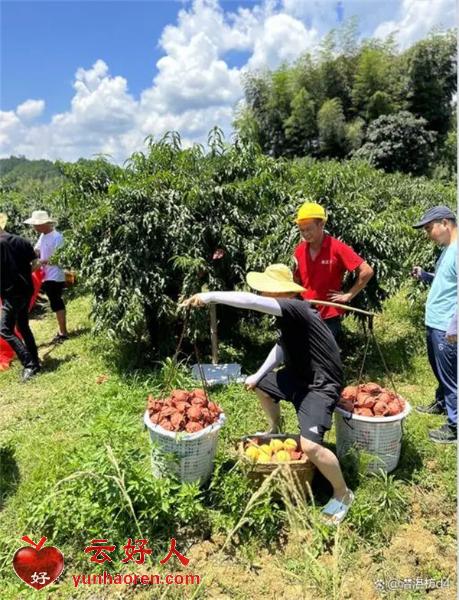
x=54, y=281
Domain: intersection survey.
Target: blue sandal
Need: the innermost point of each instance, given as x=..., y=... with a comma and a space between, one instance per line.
x=335, y=510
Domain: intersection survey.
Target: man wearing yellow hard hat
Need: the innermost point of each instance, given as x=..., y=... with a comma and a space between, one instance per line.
x=311, y=376
x=321, y=262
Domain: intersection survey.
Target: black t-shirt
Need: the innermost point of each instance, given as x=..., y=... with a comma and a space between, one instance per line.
x=16, y=254
x=310, y=350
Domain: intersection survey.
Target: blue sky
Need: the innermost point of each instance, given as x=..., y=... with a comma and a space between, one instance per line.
x=44, y=43
x=79, y=77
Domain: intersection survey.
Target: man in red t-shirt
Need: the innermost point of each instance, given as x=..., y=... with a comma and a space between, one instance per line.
x=321, y=262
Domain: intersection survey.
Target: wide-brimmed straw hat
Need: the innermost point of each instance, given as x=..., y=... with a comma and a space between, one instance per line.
x=275, y=278
x=3, y=220
x=39, y=217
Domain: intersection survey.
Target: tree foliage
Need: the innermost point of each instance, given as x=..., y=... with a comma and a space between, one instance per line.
x=176, y=221
x=331, y=126
x=399, y=142
x=366, y=79
x=432, y=80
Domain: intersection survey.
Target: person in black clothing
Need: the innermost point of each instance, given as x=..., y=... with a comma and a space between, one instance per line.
x=311, y=377
x=16, y=289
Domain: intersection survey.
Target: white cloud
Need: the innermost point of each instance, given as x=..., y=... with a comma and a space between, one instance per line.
x=9, y=124
x=283, y=39
x=416, y=19
x=30, y=109
x=192, y=76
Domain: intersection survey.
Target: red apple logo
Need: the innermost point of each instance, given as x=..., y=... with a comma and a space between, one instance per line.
x=38, y=566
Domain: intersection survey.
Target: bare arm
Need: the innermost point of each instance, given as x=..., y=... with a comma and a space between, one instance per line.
x=273, y=360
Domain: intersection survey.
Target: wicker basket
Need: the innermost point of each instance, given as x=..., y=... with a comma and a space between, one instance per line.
x=70, y=278
x=379, y=436
x=302, y=470
x=189, y=456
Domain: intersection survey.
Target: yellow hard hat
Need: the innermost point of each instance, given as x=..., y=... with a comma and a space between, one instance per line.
x=311, y=210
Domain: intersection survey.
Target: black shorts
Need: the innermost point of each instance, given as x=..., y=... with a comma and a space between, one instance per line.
x=314, y=408
x=53, y=290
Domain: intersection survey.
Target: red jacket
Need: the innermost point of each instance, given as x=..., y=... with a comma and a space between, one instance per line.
x=326, y=272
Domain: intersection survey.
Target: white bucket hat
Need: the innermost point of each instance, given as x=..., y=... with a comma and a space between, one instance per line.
x=39, y=217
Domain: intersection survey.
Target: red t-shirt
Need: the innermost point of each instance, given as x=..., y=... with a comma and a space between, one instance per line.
x=325, y=273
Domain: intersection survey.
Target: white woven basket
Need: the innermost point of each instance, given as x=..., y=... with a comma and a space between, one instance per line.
x=380, y=436
x=190, y=456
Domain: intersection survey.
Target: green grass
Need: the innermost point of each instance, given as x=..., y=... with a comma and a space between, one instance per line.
x=75, y=465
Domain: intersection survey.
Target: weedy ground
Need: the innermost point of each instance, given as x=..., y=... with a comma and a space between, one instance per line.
x=75, y=465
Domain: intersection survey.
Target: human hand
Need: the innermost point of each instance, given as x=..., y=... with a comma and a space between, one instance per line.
x=416, y=272
x=251, y=382
x=339, y=297
x=36, y=264
x=194, y=301
x=451, y=339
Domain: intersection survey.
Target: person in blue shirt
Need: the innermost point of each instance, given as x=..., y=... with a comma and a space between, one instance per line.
x=440, y=225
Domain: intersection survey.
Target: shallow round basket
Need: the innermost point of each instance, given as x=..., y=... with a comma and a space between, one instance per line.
x=379, y=436
x=302, y=470
x=189, y=456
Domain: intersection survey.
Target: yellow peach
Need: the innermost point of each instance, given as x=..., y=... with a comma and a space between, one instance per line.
x=276, y=444
x=282, y=456
x=290, y=444
x=263, y=458
x=252, y=453
x=265, y=449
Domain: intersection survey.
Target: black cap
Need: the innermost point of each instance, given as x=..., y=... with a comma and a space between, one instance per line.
x=434, y=214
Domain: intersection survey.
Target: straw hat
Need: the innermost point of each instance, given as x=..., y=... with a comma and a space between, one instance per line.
x=275, y=278
x=39, y=217
x=3, y=220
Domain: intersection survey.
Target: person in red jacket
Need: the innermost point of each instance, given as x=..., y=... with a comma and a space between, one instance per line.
x=321, y=262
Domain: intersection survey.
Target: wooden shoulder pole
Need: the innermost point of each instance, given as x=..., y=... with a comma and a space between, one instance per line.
x=213, y=332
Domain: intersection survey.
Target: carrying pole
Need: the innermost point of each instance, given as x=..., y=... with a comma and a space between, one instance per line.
x=213, y=332
x=342, y=306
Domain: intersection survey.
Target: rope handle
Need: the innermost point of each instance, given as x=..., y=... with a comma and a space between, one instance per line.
x=198, y=361
x=370, y=335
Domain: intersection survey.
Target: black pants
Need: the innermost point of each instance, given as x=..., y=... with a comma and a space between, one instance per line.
x=53, y=290
x=15, y=312
x=334, y=325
